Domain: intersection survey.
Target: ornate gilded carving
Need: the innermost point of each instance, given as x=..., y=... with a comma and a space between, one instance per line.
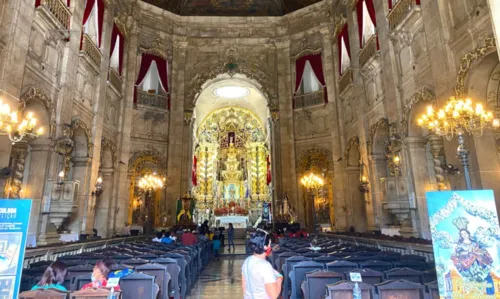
x=147, y=160
x=306, y=47
x=156, y=47
x=338, y=24
x=126, y=23
x=437, y=146
x=79, y=124
x=315, y=157
x=422, y=95
x=107, y=143
x=382, y=123
x=188, y=116
x=20, y=153
x=35, y=93
x=469, y=58
x=64, y=146
x=353, y=141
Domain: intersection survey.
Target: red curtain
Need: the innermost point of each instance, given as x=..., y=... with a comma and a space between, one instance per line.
x=161, y=63
x=300, y=64
x=86, y=14
x=371, y=12
x=193, y=172
x=114, y=36
x=100, y=17
x=269, y=178
x=317, y=66
x=343, y=35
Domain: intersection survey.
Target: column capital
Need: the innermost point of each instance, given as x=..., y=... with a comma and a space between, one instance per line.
x=81, y=161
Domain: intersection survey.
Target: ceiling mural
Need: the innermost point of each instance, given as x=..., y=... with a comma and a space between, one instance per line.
x=231, y=7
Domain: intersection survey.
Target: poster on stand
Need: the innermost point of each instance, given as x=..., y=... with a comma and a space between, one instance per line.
x=14, y=221
x=466, y=243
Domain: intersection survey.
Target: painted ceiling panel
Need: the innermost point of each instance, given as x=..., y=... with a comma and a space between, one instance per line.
x=231, y=7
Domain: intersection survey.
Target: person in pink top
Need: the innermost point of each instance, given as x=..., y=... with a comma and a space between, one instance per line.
x=189, y=238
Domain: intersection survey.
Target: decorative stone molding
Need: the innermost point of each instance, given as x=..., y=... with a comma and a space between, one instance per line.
x=422, y=95
x=107, y=143
x=316, y=156
x=354, y=141
x=79, y=124
x=126, y=23
x=156, y=47
x=382, y=123
x=147, y=159
x=35, y=93
x=468, y=59
x=339, y=21
x=275, y=115
x=306, y=47
x=188, y=116
x=250, y=70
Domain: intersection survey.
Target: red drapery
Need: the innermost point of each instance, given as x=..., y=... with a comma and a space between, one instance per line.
x=161, y=63
x=269, y=177
x=100, y=17
x=114, y=36
x=193, y=172
x=343, y=35
x=359, y=12
x=317, y=66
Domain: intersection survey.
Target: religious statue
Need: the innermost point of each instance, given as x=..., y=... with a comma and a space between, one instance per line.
x=185, y=207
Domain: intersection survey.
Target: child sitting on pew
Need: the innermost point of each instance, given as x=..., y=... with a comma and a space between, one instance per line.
x=53, y=277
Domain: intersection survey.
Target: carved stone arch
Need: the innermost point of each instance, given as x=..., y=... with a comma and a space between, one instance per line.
x=77, y=123
x=107, y=143
x=353, y=142
x=232, y=67
x=147, y=160
x=466, y=62
x=381, y=124
x=36, y=94
x=316, y=156
x=424, y=94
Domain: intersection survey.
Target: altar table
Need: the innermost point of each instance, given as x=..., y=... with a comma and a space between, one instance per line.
x=237, y=221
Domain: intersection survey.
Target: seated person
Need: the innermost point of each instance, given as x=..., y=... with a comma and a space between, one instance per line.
x=189, y=238
x=53, y=277
x=173, y=236
x=157, y=238
x=100, y=276
x=165, y=239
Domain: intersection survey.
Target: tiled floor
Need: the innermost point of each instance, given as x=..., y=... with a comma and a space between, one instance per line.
x=220, y=279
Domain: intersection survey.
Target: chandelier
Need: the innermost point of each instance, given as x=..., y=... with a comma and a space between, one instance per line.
x=312, y=181
x=17, y=129
x=458, y=116
x=151, y=182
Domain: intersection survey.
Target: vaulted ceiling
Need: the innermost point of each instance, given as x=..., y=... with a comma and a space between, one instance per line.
x=231, y=7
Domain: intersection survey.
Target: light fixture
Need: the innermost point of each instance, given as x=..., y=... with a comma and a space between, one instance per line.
x=16, y=129
x=151, y=182
x=231, y=92
x=457, y=117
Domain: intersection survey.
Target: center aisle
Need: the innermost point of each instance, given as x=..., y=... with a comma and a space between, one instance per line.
x=220, y=279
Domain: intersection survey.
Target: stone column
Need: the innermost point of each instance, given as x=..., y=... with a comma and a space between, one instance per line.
x=355, y=206
x=286, y=136
x=123, y=148
x=378, y=170
x=176, y=134
x=103, y=204
x=81, y=173
x=416, y=154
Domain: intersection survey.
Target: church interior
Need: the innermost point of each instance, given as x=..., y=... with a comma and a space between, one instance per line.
x=122, y=118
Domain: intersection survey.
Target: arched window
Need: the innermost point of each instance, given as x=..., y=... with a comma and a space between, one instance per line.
x=368, y=26
x=309, y=81
x=345, y=60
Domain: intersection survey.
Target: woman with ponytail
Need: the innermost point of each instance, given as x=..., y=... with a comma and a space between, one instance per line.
x=53, y=277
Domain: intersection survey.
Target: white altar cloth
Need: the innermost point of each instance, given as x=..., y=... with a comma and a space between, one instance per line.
x=237, y=221
x=72, y=237
x=390, y=231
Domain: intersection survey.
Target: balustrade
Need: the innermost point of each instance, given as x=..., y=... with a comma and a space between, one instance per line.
x=152, y=99
x=345, y=80
x=309, y=99
x=59, y=10
x=400, y=11
x=90, y=50
x=115, y=79
x=368, y=50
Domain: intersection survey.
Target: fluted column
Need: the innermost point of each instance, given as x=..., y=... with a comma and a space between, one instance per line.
x=103, y=204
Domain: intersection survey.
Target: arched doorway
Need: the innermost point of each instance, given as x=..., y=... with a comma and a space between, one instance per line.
x=231, y=175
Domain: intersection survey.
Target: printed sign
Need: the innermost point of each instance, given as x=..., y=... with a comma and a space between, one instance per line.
x=14, y=220
x=466, y=243
x=355, y=277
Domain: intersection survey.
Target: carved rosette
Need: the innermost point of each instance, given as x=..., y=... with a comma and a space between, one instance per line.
x=79, y=124
x=37, y=94
x=422, y=95
x=466, y=62
x=382, y=123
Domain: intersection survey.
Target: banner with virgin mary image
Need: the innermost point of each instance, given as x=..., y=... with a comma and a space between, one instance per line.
x=466, y=243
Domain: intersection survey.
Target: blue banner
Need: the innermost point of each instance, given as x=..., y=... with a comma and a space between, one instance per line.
x=14, y=221
x=466, y=243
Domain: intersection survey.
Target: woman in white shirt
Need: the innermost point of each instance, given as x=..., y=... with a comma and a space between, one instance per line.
x=260, y=280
